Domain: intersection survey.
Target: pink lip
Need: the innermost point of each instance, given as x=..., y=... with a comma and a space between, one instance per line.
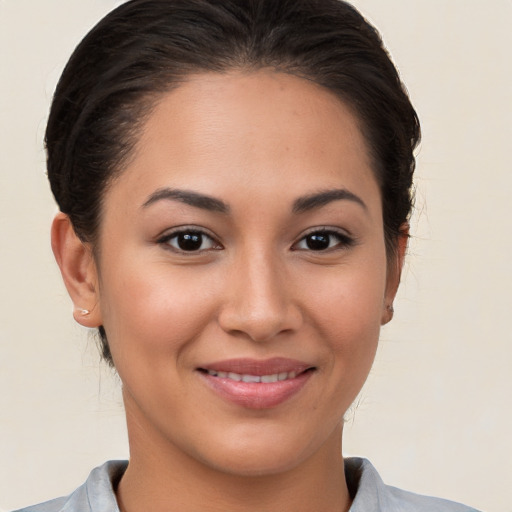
x=258, y=367
x=258, y=395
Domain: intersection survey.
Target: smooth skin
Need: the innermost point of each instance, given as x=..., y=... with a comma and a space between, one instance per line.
x=248, y=224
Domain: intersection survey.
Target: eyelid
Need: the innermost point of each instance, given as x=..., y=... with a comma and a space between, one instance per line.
x=346, y=239
x=169, y=234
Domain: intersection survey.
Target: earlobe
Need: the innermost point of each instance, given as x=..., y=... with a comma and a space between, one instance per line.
x=78, y=269
x=394, y=273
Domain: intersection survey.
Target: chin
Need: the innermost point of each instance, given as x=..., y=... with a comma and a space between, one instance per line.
x=272, y=462
x=260, y=452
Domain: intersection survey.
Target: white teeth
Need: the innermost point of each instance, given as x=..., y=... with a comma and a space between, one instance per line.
x=266, y=379
x=251, y=378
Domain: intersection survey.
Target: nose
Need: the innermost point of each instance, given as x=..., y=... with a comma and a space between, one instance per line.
x=259, y=300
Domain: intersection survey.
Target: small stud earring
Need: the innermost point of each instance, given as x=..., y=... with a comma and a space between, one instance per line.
x=390, y=308
x=84, y=312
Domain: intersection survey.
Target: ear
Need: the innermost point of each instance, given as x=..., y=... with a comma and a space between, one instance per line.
x=78, y=269
x=394, y=273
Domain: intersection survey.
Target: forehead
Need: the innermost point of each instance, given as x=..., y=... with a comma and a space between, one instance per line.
x=258, y=131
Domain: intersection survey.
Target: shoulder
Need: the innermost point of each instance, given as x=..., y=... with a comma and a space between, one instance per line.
x=96, y=494
x=48, y=506
x=371, y=493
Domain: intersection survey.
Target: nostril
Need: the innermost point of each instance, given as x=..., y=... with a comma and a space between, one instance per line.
x=259, y=324
x=257, y=303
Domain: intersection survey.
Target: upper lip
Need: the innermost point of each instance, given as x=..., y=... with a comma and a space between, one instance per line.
x=258, y=367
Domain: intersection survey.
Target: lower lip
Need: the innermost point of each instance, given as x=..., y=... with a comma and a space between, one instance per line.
x=257, y=395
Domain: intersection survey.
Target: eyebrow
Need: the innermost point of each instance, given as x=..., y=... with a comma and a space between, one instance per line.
x=322, y=198
x=205, y=202
x=188, y=197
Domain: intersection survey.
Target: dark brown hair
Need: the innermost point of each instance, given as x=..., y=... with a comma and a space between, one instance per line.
x=147, y=47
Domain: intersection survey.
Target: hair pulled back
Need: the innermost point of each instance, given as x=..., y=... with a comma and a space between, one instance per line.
x=148, y=47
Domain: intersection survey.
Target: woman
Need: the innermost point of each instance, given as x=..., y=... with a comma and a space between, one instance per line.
x=234, y=184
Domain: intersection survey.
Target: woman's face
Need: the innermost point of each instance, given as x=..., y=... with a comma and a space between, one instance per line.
x=243, y=242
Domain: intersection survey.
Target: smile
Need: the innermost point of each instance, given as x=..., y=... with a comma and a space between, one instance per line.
x=255, y=384
x=265, y=379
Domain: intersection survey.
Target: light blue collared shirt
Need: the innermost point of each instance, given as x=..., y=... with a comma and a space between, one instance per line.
x=371, y=494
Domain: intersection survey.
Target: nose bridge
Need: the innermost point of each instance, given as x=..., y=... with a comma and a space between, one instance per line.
x=265, y=295
x=259, y=301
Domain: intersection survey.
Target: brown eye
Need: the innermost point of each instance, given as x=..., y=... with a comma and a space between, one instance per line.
x=189, y=241
x=323, y=240
x=318, y=241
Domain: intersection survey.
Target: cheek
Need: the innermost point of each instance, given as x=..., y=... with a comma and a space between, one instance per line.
x=150, y=310
x=347, y=299
x=347, y=309
x=353, y=331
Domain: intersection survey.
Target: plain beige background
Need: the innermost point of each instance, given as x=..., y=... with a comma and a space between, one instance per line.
x=435, y=416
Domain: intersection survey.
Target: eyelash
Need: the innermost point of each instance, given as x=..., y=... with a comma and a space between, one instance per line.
x=191, y=235
x=196, y=237
x=344, y=241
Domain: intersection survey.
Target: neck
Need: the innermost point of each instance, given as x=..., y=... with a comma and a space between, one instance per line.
x=162, y=478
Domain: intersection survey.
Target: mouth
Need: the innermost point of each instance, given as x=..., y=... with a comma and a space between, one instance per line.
x=265, y=379
x=256, y=384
